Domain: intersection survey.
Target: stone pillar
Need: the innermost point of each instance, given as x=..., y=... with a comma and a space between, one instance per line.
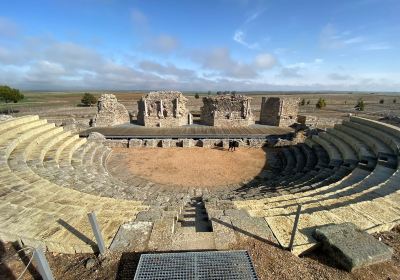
x=145, y=107
x=190, y=118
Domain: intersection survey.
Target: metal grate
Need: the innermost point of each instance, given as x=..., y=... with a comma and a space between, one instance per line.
x=219, y=265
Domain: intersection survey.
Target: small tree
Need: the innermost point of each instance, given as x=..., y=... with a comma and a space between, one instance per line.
x=360, y=106
x=394, y=100
x=197, y=96
x=308, y=102
x=8, y=94
x=209, y=92
x=321, y=103
x=303, y=102
x=88, y=99
x=381, y=101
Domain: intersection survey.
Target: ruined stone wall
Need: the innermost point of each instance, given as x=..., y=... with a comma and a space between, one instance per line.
x=163, y=109
x=317, y=122
x=227, y=111
x=279, y=111
x=109, y=112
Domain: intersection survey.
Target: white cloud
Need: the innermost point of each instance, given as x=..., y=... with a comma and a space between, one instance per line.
x=239, y=36
x=168, y=70
x=291, y=72
x=330, y=38
x=377, y=46
x=254, y=16
x=339, y=77
x=163, y=43
x=265, y=61
x=220, y=60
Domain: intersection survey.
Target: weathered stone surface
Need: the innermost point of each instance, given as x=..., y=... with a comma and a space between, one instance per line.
x=166, y=143
x=95, y=136
x=116, y=143
x=5, y=117
x=279, y=111
x=352, y=247
x=163, y=109
x=187, y=143
x=256, y=143
x=224, y=235
x=209, y=143
x=320, y=122
x=110, y=112
x=152, y=143
x=227, y=111
x=135, y=143
x=132, y=236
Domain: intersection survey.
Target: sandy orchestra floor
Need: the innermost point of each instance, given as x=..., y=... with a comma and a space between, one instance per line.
x=187, y=167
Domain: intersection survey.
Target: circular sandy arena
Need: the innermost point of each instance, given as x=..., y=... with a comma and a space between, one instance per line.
x=187, y=167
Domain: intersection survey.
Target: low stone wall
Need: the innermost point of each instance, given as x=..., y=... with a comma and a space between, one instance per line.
x=320, y=122
x=116, y=143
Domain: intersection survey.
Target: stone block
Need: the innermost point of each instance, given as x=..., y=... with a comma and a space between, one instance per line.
x=152, y=143
x=116, y=143
x=256, y=143
x=224, y=233
x=132, y=236
x=208, y=143
x=187, y=143
x=351, y=247
x=167, y=143
x=135, y=143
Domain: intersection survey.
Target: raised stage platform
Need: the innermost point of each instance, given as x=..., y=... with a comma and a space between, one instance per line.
x=132, y=131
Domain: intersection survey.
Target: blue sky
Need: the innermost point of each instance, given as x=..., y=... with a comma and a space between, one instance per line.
x=200, y=45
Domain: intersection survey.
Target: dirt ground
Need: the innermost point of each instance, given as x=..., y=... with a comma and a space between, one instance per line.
x=188, y=167
x=270, y=262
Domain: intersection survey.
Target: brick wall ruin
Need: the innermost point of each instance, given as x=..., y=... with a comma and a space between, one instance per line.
x=163, y=109
x=227, y=111
x=279, y=111
x=109, y=112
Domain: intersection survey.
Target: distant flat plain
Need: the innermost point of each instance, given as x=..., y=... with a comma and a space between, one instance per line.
x=339, y=104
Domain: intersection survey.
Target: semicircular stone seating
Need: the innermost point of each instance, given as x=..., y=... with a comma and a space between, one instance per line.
x=36, y=208
x=359, y=183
